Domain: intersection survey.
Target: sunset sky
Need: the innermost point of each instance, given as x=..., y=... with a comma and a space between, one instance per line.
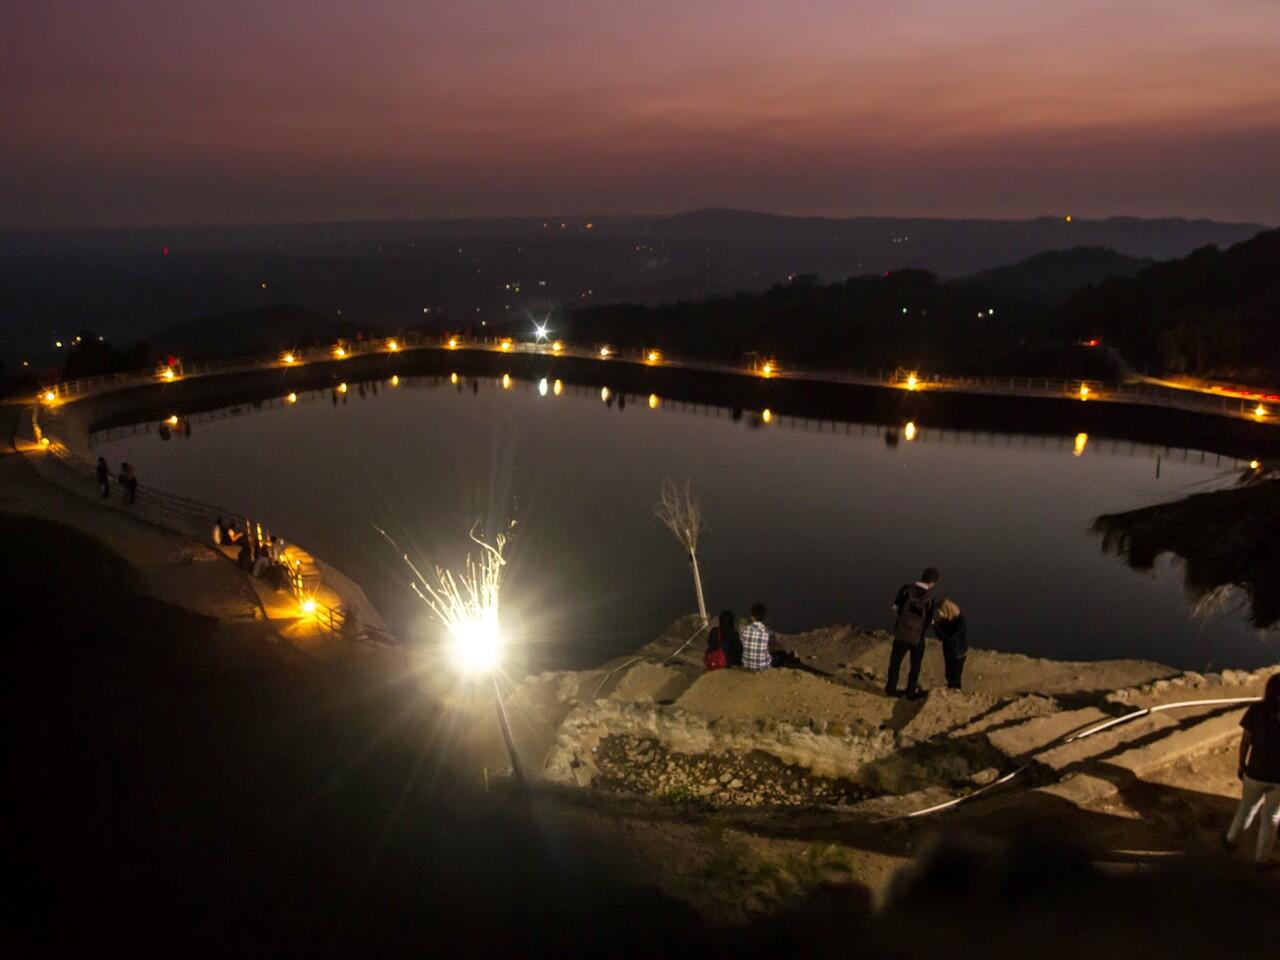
x=125, y=112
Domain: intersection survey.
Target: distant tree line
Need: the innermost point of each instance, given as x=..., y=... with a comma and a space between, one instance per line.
x=1213, y=312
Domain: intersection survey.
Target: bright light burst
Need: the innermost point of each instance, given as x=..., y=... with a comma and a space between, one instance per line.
x=540, y=332
x=467, y=604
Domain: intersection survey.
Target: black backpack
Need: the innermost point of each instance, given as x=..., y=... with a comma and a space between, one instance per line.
x=913, y=618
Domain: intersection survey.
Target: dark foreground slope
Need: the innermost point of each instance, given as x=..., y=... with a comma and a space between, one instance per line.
x=173, y=789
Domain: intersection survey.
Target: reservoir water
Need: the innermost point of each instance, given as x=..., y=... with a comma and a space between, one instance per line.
x=820, y=521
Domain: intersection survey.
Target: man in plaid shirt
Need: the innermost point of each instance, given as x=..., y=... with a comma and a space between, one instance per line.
x=755, y=642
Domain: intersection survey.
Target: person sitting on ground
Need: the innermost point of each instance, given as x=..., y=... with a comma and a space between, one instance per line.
x=714, y=657
x=103, y=473
x=913, y=607
x=950, y=628
x=755, y=641
x=1259, y=770
x=725, y=635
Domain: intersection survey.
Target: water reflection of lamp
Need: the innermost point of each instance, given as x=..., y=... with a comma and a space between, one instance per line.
x=909, y=431
x=1082, y=441
x=654, y=401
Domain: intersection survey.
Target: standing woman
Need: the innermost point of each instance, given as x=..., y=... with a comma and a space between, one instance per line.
x=1260, y=772
x=949, y=625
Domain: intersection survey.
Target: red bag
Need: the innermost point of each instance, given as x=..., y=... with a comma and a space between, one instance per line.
x=714, y=660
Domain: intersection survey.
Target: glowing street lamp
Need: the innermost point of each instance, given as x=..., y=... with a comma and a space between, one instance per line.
x=1260, y=412
x=308, y=606
x=393, y=345
x=654, y=401
x=542, y=387
x=1081, y=441
x=342, y=387
x=605, y=394
x=653, y=356
x=909, y=431
x=505, y=345
x=768, y=368
x=288, y=359
x=557, y=346
x=453, y=343
x=395, y=379
x=1254, y=464
x=292, y=398
x=453, y=378
x=506, y=381
x=340, y=352
x=168, y=374
x=172, y=420
x=1084, y=391
x=606, y=352
x=913, y=382
x=49, y=396
x=557, y=388
x=539, y=332
x=766, y=415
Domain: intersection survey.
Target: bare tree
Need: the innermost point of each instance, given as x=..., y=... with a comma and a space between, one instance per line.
x=682, y=514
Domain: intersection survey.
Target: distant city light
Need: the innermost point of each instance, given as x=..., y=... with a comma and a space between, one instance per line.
x=342, y=387
x=1260, y=411
x=909, y=431
x=339, y=352
x=58, y=344
x=768, y=367
x=1254, y=464
x=653, y=356
x=540, y=332
x=542, y=387
x=173, y=420
x=912, y=381
x=1082, y=441
x=506, y=381
x=606, y=352
x=292, y=398
x=289, y=358
x=168, y=373
x=395, y=379
x=49, y=396
x=1084, y=391
x=453, y=378
x=505, y=344
x=557, y=388
x=605, y=394
x=654, y=401
x=766, y=415
x=557, y=346
x=393, y=345
x=453, y=343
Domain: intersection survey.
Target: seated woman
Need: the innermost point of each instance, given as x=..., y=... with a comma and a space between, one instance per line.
x=713, y=658
x=950, y=628
x=725, y=636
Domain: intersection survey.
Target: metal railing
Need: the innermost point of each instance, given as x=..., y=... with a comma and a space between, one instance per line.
x=1137, y=391
x=196, y=519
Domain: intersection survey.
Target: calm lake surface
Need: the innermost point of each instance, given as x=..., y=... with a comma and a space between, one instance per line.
x=822, y=522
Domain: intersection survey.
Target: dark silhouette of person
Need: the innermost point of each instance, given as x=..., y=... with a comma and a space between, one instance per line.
x=129, y=481
x=103, y=473
x=913, y=607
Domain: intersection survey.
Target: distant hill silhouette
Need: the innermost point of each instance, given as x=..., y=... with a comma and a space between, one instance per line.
x=1050, y=278
x=1212, y=313
x=129, y=284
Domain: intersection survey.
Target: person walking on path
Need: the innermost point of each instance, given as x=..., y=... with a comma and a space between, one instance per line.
x=755, y=641
x=914, y=607
x=950, y=628
x=129, y=481
x=103, y=473
x=1259, y=772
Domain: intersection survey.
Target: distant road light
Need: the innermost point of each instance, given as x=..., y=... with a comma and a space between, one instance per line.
x=393, y=345
x=50, y=396
x=606, y=352
x=653, y=356
x=1084, y=391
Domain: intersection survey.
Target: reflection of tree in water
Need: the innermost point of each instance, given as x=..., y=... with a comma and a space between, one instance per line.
x=1226, y=538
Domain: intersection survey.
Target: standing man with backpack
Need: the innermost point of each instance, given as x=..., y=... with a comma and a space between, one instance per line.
x=914, y=606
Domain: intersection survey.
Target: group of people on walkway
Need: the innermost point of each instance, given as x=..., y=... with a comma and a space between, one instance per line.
x=917, y=609
x=127, y=479
x=261, y=555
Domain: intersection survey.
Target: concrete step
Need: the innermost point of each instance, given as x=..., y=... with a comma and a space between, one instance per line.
x=1026, y=738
